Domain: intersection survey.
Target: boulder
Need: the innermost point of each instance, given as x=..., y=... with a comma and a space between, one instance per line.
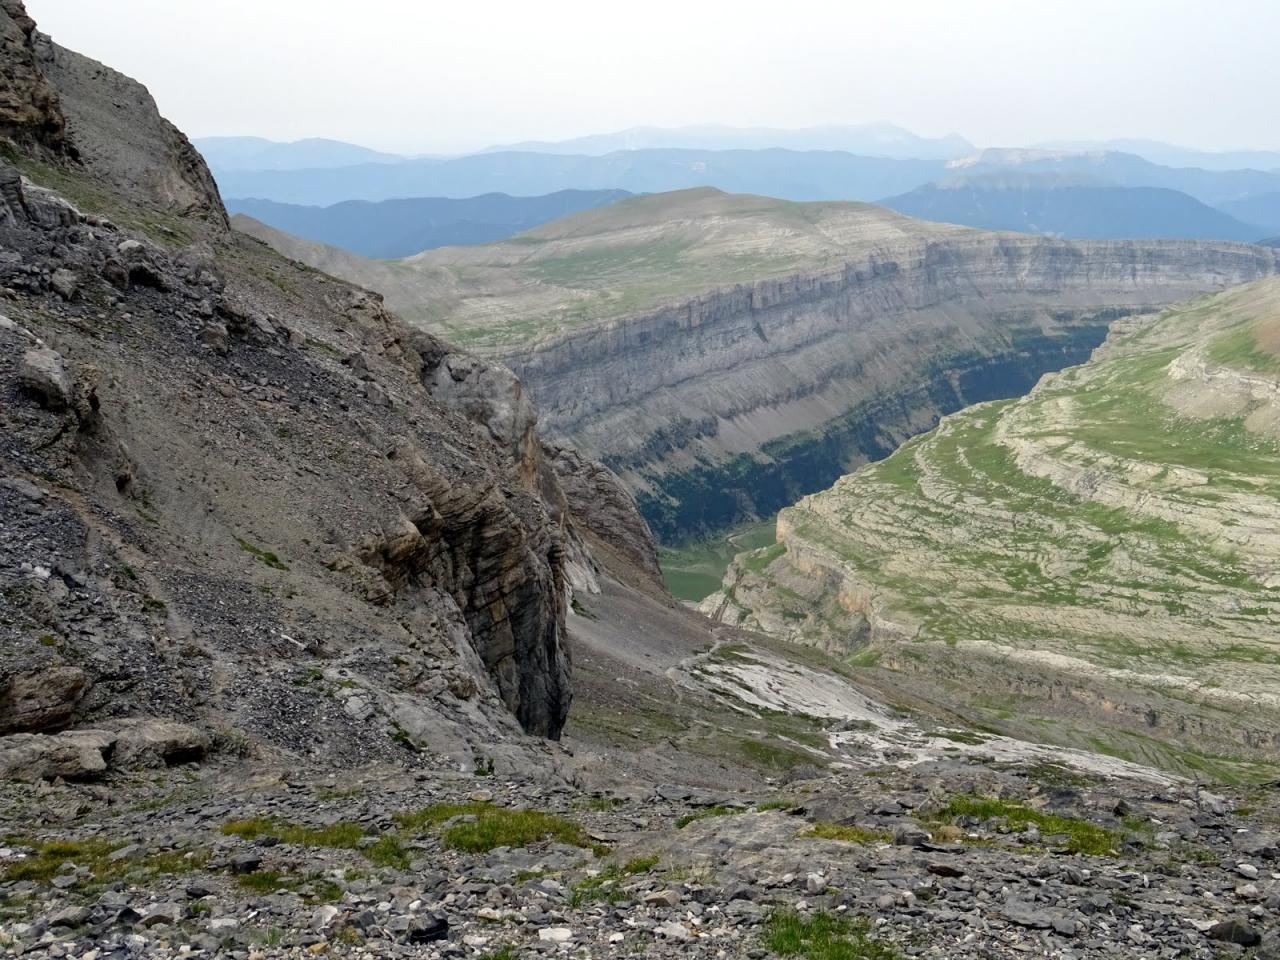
x=155, y=743
x=43, y=373
x=65, y=283
x=72, y=755
x=41, y=700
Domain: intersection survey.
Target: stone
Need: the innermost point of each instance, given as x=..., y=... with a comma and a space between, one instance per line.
x=663, y=898
x=1234, y=931
x=65, y=283
x=154, y=743
x=427, y=930
x=1025, y=915
x=245, y=863
x=555, y=934
x=72, y=755
x=909, y=834
x=673, y=931
x=214, y=336
x=168, y=912
x=1247, y=870
x=42, y=699
x=43, y=373
x=73, y=916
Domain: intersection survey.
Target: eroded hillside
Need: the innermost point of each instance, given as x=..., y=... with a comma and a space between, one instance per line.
x=1093, y=564
x=727, y=354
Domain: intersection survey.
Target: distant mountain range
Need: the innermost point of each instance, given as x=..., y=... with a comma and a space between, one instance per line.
x=1126, y=170
x=868, y=140
x=1082, y=190
x=1263, y=209
x=786, y=174
x=255, y=153
x=1074, y=207
x=1170, y=155
x=399, y=228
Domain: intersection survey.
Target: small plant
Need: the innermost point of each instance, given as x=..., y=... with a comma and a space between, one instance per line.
x=342, y=835
x=401, y=736
x=603, y=887
x=688, y=818
x=266, y=556
x=387, y=852
x=483, y=826
x=1081, y=836
x=824, y=936
x=233, y=742
x=848, y=834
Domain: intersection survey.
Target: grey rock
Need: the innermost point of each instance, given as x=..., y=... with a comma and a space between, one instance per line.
x=168, y=912
x=1234, y=931
x=149, y=743
x=65, y=283
x=41, y=699
x=72, y=755
x=43, y=373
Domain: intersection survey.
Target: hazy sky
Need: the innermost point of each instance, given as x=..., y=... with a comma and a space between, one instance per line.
x=420, y=75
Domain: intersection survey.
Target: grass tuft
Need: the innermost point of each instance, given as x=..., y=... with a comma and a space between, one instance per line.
x=824, y=936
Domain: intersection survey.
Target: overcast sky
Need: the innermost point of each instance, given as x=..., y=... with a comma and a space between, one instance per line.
x=426, y=76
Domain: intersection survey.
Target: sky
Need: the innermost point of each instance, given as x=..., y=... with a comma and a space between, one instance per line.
x=432, y=77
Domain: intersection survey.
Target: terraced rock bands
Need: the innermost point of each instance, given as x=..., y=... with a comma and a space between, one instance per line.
x=1096, y=563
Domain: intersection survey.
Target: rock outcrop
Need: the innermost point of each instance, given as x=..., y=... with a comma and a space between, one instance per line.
x=725, y=355
x=30, y=114
x=1094, y=563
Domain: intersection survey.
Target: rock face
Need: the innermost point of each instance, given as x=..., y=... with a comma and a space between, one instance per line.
x=599, y=503
x=114, y=127
x=1101, y=553
x=243, y=497
x=30, y=114
x=725, y=355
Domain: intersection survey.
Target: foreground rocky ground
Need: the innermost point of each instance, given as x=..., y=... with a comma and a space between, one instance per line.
x=945, y=859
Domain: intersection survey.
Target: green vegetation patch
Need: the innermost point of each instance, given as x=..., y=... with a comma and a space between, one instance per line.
x=479, y=827
x=343, y=835
x=266, y=556
x=48, y=857
x=824, y=936
x=1080, y=835
x=688, y=818
x=848, y=833
x=695, y=569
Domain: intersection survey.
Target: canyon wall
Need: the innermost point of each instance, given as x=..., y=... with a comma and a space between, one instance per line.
x=734, y=404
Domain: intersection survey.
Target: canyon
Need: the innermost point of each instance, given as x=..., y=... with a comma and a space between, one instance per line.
x=726, y=354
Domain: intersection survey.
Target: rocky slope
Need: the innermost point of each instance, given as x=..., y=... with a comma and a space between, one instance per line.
x=728, y=354
x=244, y=507
x=1093, y=564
